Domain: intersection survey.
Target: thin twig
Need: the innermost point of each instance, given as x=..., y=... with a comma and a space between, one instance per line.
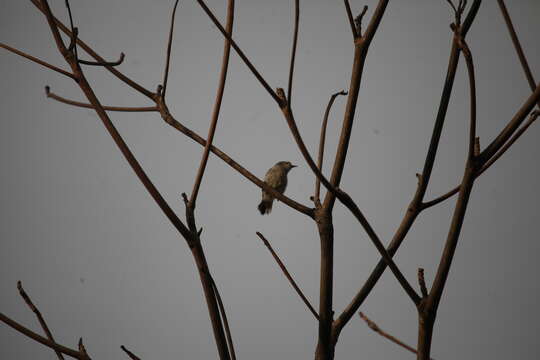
x=169, y=46
x=240, y=53
x=40, y=318
x=422, y=282
x=534, y=115
x=511, y=127
x=40, y=339
x=217, y=105
x=350, y=18
x=517, y=45
x=288, y=275
x=36, y=60
x=89, y=106
x=373, y=326
x=91, y=52
x=230, y=343
x=74, y=32
x=358, y=20
x=322, y=140
x=104, y=63
x=169, y=119
x=472, y=90
x=131, y=355
x=293, y=50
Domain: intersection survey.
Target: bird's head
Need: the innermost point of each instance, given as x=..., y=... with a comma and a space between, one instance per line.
x=286, y=165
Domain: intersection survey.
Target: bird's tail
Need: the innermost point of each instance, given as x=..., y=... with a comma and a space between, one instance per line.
x=265, y=207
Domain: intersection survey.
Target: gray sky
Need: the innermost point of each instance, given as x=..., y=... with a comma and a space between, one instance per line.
x=102, y=262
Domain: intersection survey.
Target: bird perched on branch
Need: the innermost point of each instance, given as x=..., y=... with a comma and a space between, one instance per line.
x=276, y=177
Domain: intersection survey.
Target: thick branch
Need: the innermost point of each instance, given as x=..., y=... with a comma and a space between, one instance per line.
x=288, y=275
x=414, y=208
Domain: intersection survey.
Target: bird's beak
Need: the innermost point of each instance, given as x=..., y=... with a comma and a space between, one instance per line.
x=293, y=166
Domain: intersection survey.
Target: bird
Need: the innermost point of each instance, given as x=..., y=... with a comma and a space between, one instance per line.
x=276, y=177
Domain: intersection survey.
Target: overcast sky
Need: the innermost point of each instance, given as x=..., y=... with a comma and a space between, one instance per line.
x=102, y=262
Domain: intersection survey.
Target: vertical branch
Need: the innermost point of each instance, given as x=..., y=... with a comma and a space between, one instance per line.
x=293, y=50
x=169, y=47
x=415, y=206
x=322, y=140
x=360, y=51
x=217, y=104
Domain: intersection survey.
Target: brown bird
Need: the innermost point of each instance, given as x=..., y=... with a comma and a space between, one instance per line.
x=276, y=177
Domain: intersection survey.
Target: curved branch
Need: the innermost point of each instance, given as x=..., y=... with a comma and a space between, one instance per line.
x=104, y=63
x=217, y=105
x=89, y=106
x=322, y=139
x=91, y=52
x=293, y=50
x=169, y=46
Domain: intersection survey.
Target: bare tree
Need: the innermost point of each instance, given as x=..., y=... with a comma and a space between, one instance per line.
x=321, y=211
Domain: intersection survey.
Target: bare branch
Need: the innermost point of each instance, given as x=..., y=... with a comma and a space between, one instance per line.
x=415, y=206
x=534, y=115
x=322, y=140
x=517, y=45
x=169, y=46
x=36, y=60
x=230, y=344
x=104, y=63
x=40, y=318
x=240, y=53
x=40, y=339
x=472, y=90
x=288, y=276
x=92, y=53
x=358, y=20
x=131, y=355
x=232, y=163
x=217, y=105
x=293, y=50
x=373, y=326
x=89, y=106
x=350, y=18
x=511, y=127
x=422, y=282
